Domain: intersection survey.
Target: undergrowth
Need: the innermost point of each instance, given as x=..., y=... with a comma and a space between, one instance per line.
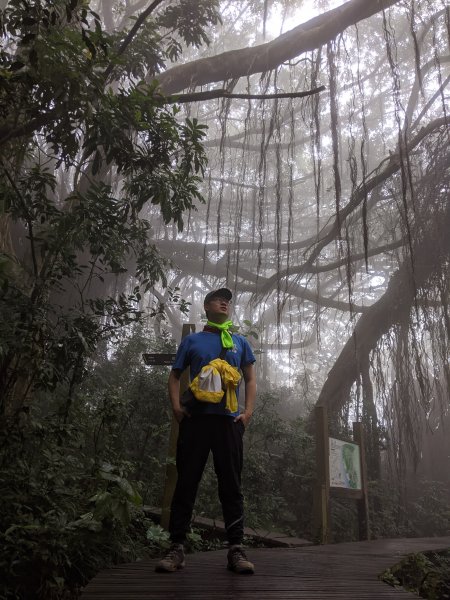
x=426, y=574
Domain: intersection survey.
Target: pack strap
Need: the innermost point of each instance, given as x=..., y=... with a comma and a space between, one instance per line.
x=222, y=353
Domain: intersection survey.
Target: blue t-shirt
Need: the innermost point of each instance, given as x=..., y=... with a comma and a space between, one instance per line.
x=198, y=349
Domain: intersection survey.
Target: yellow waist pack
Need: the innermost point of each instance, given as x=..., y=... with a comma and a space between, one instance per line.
x=215, y=379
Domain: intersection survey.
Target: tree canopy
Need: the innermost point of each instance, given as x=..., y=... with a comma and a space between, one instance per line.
x=315, y=206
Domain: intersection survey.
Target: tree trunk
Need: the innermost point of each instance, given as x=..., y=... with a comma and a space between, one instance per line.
x=393, y=307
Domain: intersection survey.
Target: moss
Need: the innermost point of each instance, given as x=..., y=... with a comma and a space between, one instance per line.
x=426, y=574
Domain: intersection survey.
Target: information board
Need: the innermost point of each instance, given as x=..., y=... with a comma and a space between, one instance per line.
x=345, y=465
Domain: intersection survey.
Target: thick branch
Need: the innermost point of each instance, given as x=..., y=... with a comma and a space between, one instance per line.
x=254, y=186
x=393, y=166
x=221, y=93
x=265, y=57
x=254, y=283
x=412, y=102
x=318, y=268
x=235, y=141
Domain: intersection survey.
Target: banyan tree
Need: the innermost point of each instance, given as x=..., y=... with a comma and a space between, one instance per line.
x=323, y=204
x=328, y=214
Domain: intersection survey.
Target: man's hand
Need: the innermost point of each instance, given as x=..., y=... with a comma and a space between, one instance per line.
x=244, y=417
x=179, y=413
x=174, y=394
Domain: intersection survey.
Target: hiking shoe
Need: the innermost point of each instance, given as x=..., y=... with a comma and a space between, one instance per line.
x=172, y=561
x=238, y=562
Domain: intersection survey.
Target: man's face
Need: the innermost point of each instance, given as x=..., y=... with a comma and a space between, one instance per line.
x=218, y=309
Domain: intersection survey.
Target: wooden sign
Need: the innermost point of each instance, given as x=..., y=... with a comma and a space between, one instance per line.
x=171, y=469
x=166, y=359
x=341, y=471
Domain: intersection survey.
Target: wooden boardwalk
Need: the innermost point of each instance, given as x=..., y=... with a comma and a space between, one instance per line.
x=341, y=571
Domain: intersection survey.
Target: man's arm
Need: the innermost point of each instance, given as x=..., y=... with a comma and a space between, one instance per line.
x=249, y=374
x=174, y=394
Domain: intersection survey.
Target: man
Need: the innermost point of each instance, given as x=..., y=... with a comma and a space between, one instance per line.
x=208, y=426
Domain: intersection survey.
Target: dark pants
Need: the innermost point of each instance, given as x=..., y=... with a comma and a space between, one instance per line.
x=197, y=436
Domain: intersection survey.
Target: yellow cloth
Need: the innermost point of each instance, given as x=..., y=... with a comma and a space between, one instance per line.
x=225, y=335
x=205, y=385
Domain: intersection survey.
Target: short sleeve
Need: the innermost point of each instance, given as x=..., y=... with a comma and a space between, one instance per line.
x=182, y=356
x=248, y=358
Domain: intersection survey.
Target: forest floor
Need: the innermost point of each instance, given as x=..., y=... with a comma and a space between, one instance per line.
x=425, y=573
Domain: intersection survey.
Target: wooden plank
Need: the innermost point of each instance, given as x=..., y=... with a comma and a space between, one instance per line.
x=336, y=571
x=338, y=492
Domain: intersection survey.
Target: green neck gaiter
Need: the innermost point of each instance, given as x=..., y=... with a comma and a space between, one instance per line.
x=225, y=336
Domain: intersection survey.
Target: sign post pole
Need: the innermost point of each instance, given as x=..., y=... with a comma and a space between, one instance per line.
x=322, y=492
x=363, y=503
x=171, y=470
x=341, y=472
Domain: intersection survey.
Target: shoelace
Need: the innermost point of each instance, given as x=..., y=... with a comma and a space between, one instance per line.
x=174, y=553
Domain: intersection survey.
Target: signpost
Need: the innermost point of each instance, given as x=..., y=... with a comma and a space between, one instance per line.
x=153, y=360
x=168, y=359
x=341, y=471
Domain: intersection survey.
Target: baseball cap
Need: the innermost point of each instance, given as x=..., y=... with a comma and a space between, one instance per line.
x=221, y=293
